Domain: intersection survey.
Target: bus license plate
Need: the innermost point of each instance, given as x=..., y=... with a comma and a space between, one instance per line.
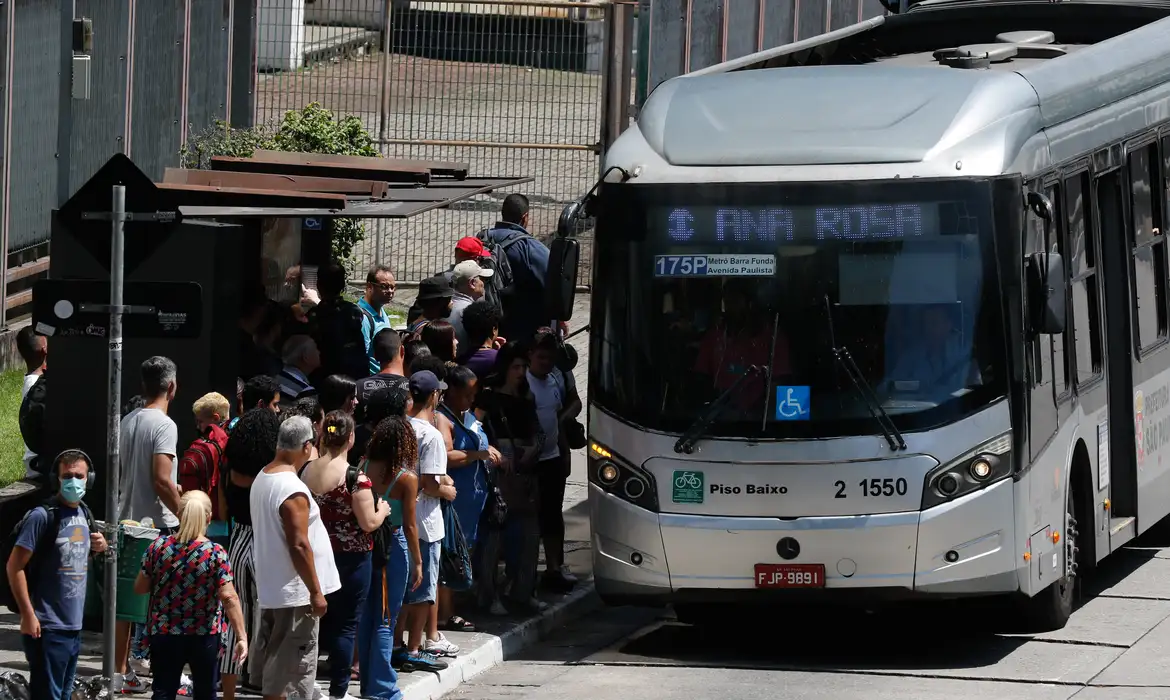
x=790, y=575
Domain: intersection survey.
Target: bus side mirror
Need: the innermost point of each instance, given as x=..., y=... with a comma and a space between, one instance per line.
x=1045, y=280
x=564, y=255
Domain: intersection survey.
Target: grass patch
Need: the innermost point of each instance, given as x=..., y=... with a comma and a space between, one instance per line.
x=11, y=444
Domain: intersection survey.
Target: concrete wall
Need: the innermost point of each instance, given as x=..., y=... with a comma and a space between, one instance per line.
x=280, y=35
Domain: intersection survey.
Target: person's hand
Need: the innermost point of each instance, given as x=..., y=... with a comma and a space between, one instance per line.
x=30, y=626
x=241, y=651
x=383, y=508
x=499, y=342
x=506, y=462
x=416, y=577
x=97, y=542
x=317, y=602
x=564, y=328
x=453, y=493
x=494, y=455
x=309, y=297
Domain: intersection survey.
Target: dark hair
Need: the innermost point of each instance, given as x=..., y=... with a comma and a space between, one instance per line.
x=338, y=427
x=459, y=377
x=415, y=349
x=307, y=406
x=331, y=279
x=545, y=339
x=430, y=363
x=158, y=374
x=480, y=320
x=514, y=208
x=383, y=403
x=134, y=403
x=259, y=390
x=511, y=351
x=251, y=445
x=394, y=445
x=439, y=336
x=335, y=390
x=372, y=275
x=26, y=345
x=387, y=344
x=71, y=457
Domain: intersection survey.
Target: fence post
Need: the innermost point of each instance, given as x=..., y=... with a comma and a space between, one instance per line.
x=7, y=44
x=384, y=87
x=615, y=95
x=243, y=64
x=65, y=98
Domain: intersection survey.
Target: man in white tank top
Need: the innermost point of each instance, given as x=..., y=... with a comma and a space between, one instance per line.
x=294, y=568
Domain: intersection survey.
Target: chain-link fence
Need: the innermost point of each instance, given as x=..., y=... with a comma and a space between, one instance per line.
x=511, y=88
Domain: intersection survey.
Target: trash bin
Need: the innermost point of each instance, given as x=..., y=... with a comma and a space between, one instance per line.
x=133, y=541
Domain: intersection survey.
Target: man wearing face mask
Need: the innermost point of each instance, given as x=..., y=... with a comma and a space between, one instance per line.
x=47, y=574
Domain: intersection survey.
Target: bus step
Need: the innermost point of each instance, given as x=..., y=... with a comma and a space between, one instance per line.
x=1121, y=530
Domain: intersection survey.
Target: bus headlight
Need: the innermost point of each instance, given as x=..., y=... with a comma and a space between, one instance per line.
x=979, y=468
x=621, y=479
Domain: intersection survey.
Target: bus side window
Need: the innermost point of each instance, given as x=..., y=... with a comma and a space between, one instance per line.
x=1148, y=245
x=1087, y=354
x=1058, y=243
x=1040, y=351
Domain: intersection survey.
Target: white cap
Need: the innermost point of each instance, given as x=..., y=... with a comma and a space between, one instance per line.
x=469, y=269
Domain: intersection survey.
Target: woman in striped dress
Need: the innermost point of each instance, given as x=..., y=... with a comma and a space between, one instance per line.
x=250, y=447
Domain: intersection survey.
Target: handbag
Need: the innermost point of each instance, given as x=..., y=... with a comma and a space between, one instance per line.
x=455, y=558
x=574, y=434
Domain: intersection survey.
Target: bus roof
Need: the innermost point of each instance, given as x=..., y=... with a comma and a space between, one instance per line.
x=878, y=105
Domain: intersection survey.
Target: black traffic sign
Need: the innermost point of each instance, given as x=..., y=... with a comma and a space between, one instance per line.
x=81, y=308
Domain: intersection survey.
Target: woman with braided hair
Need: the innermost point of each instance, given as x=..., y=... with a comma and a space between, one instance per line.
x=391, y=456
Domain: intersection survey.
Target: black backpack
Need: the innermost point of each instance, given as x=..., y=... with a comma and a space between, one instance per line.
x=503, y=281
x=48, y=538
x=339, y=339
x=32, y=417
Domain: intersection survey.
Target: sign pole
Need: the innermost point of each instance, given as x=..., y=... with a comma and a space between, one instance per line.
x=114, y=430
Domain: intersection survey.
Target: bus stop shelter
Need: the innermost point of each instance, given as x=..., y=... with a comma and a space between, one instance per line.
x=195, y=244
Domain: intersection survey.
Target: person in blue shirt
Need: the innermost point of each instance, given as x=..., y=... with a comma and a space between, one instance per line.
x=380, y=287
x=524, y=303
x=47, y=573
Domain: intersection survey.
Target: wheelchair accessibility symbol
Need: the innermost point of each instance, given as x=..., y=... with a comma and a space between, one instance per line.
x=793, y=403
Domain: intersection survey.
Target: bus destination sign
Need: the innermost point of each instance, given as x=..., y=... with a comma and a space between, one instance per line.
x=768, y=224
x=715, y=265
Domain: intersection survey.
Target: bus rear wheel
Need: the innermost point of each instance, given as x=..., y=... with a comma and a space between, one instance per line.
x=1051, y=608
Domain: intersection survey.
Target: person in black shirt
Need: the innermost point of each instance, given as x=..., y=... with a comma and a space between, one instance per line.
x=390, y=354
x=379, y=405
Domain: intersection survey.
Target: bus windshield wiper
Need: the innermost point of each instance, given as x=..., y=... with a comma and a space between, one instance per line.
x=686, y=443
x=864, y=390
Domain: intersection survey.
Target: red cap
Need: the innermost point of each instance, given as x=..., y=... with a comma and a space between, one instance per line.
x=472, y=246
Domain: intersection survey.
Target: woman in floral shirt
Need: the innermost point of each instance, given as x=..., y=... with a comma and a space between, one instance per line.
x=189, y=581
x=349, y=514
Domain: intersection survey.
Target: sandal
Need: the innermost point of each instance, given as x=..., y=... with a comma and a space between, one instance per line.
x=458, y=624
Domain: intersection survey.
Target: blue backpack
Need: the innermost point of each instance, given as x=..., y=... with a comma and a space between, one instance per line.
x=455, y=558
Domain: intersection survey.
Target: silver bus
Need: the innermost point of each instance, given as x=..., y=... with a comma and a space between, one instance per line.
x=883, y=314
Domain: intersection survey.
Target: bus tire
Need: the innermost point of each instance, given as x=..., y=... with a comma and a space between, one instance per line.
x=1051, y=608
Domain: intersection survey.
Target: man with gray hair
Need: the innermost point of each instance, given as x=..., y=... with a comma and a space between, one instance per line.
x=149, y=479
x=301, y=358
x=295, y=569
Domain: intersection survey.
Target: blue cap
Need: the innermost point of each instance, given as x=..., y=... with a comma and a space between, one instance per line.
x=425, y=382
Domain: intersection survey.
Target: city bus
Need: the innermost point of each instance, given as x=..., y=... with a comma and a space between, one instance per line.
x=882, y=315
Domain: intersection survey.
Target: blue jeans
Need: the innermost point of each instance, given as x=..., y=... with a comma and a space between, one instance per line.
x=171, y=652
x=52, y=663
x=428, y=591
x=376, y=629
x=340, y=623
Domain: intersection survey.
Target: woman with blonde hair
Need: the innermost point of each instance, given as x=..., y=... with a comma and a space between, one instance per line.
x=189, y=581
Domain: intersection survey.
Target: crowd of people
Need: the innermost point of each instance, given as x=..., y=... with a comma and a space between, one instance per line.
x=374, y=489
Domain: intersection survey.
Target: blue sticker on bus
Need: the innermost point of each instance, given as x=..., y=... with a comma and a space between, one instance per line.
x=716, y=265
x=793, y=403
x=313, y=224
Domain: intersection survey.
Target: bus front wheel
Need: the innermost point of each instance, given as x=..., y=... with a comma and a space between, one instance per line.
x=1050, y=609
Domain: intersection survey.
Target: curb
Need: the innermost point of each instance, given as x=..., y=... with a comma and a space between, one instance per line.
x=486, y=656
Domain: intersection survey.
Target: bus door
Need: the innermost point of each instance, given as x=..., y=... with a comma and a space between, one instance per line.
x=1119, y=355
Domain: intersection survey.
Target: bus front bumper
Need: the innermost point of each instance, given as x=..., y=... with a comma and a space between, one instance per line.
x=962, y=548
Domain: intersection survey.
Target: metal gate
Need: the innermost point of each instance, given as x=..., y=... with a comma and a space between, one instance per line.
x=510, y=87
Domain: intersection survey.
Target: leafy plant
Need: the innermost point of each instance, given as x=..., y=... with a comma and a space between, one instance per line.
x=312, y=129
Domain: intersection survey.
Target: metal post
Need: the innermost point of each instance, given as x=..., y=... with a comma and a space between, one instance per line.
x=114, y=430
x=65, y=100
x=384, y=107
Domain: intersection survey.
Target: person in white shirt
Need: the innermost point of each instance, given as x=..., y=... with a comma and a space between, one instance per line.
x=34, y=350
x=294, y=568
x=433, y=485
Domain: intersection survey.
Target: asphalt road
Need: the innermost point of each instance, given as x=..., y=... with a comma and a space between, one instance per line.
x=1114, y=647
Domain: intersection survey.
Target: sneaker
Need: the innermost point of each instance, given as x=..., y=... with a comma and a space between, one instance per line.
x=568, y=575
x=129, y=684
x=497, y=608
x=140, y=667
x=422, y=661
x=398, y=658
x=557, y=582
x=441, y=647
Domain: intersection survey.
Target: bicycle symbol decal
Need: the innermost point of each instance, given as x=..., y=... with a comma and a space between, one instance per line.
x=793, y=403
x=688, y=487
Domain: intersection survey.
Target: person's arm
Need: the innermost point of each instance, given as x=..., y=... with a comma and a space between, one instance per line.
x=142, y=583
x=26, y=543
x=235, y=616
x=294, y=517
x=572, y=407
x=407, y=487
x=165, y=487
x=433, y=486
x=369, y=516
x=457, y=459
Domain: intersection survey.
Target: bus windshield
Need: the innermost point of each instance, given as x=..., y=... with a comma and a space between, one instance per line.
x=698, y=285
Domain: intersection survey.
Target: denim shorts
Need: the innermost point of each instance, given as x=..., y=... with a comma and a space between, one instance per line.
x=429, y=588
